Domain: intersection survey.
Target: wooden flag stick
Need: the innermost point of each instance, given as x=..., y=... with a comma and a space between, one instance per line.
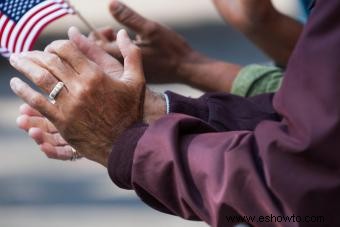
x=86, y=22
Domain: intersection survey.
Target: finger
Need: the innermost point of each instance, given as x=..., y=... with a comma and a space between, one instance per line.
x=93, y=51
x=25, y=109
x=26, y=122
x=132, y=19
x=57, y=152
x=40, y=137
x=70, y=53
x=51, y=62
x=37, y=74
x=108, y=32
x=34, y=99
x=133, y=66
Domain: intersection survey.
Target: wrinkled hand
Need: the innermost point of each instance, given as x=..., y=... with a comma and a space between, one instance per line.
x=163, y=50
x=46, y=135
x=100, y=99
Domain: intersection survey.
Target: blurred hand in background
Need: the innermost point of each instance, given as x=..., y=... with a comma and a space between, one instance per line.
x=167, y=57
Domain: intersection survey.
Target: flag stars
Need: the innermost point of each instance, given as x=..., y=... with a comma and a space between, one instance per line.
x=15, y=9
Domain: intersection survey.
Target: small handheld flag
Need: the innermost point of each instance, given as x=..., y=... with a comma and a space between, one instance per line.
x=21, y=22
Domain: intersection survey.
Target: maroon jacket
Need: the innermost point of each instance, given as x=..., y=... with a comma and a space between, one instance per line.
x=287, y=167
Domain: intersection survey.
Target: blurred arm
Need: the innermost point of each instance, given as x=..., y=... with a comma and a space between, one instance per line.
x=274, y=33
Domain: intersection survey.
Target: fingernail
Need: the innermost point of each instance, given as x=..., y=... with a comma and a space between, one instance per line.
x=22, y=108
x=14, y=83
x=20, y=121
x=123, y=32
x=74, y=31
x=116, y=6
x=13, y=59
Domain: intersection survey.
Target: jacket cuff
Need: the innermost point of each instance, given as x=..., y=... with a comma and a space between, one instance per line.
x=184, y=105
x=121, y=157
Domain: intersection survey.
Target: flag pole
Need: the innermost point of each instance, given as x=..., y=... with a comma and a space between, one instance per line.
x=86, y=22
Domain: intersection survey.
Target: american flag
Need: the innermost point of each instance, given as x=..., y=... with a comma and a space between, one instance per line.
x=21, y=22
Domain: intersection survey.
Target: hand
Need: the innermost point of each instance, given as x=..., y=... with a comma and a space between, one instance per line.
x=44, y=133
x=50, y=142
x=163, y=50
x=91, y=111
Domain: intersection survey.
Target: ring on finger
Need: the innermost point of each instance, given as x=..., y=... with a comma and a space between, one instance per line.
x=56, y=90
x=75, y=155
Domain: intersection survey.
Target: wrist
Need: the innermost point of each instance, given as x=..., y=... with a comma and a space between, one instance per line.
x=208, y=74
x=259, y=22
x=154, y=107
x=187, y=67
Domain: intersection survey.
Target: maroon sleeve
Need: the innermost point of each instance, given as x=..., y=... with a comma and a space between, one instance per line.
x=221, y=111
x=225, y=112
x=287, y=168
x=121, y=157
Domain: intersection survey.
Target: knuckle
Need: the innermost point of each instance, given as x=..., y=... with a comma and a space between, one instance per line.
x=61, y=45
x=81, y=92
x=32, y=53
x=93, y=76
x=51, y=59
x=43, y=79
x=66, y=46
x=53, y=45
x=36, y=101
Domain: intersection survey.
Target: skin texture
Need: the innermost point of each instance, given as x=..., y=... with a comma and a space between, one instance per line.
x=50, y=142
x=87, y=121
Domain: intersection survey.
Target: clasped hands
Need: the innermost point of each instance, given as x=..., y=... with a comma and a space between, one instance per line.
x=101, y=97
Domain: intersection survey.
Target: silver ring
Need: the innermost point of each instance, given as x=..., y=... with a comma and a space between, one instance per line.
x=75, y=155
x=56, y=90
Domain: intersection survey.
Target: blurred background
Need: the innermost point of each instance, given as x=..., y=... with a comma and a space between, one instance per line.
x=35, y=191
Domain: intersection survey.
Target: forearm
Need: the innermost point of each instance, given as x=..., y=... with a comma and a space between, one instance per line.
x=274, y=33
x=276, y=36
x=208, y=74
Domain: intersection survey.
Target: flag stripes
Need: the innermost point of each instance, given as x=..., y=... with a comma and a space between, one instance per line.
x=19, y=36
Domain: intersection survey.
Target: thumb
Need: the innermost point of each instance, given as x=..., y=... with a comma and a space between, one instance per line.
x=133, y=66
x=131, y=19
x=92, y=50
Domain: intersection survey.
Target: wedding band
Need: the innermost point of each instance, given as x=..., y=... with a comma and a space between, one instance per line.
x=56, y=90
x=75, y=155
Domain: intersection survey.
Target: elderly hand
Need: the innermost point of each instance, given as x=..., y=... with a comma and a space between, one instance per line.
x=46, y=135
x=99, y=101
